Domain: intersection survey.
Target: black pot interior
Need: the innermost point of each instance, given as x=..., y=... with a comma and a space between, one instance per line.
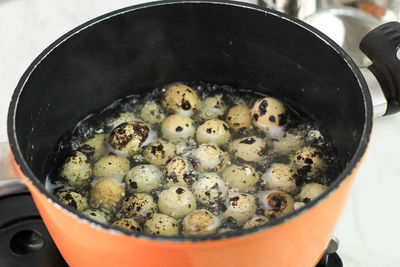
x=214, y=42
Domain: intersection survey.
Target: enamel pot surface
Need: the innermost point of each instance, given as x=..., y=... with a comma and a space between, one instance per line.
x=142, y=47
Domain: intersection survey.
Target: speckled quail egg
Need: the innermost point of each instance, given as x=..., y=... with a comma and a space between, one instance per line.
x=212, y=107
x=121, y=118
x=178, y=171
x=240, y=207
x=106, y=193
x=176, y=201
x=210, y=189
x=152, y=112
x=161, y=224
x=255, y=221
x=128, y=138
x=111, y=166
x=143, y=178
x=159, y=153
x=267, y=113
x=96, y=145
x=177, y=127
x=139, y=206
x=200, y=222
x=275, y=203
x=210, y=158
x=73, y=199
x=97, y=215
x=76, y=169
x=181, y=98
x=309, y=160
x=280, y=176
x=128, y=224
x=241, y=177
x=288, y=144
x=213, y=131
x=239, y=118
x=311, y=191
x=252, y=149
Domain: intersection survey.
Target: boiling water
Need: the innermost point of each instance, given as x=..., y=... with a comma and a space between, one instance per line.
x=299, y=125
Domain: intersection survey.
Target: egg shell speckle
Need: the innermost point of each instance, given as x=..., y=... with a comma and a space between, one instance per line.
x=111, y=165
x=240, y=207
x=76, y=169
x=176, y=201
x=251, y=149
x=213, y=131
x=239, y=118
x=143, y=178
x=161, y=224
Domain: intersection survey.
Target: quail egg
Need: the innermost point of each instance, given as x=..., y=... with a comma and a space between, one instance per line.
x=275, y=203
x=178, y=171
x=106, y=193
x=97, y=215
x=213, y=131
x=161, y=224
x=177, y=127
x=311, y=191
x=200, y=222
x=255, y=221
x=267, y=113
x=252, y=149
x=181, y=98
x=210, y=158
x=96, y=145
x=288, y=144
x=152, y=112
x=309, y=160
x=176, y=201
x=121, y=118
x=73, y=199
x=159, y=153
x=210, y=189
x=128, y=138
x=143, y=178
x=241, y=177
x=212, y=107
x=111, y=166
x=139, y=206
x=240, y=207
x=128, y=224
x=239, y=118
x=76, y=169
x=281, y=177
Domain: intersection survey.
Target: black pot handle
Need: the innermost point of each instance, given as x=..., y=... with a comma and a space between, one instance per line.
x=382, y=46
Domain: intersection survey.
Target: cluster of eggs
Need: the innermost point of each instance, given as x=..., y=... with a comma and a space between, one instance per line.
x=178, y=188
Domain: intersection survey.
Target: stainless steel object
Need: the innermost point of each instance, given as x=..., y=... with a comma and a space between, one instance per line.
x=384, y=10
x=346, y=26
x=378, y=98
x=346, y=22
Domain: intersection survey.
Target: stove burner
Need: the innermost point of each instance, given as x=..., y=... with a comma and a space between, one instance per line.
x=24, y=239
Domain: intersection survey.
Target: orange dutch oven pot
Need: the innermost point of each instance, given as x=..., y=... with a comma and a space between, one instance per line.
x=138, y=48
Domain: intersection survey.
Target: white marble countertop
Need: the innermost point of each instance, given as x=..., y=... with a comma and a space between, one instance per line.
x=370, y=225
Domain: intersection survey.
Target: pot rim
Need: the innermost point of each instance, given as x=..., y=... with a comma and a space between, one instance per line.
x=354, y=162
